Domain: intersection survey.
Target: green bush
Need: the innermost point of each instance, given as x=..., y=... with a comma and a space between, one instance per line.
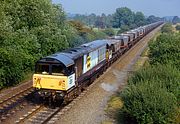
x=100, y=34
x=167, y=28
x=167, y=76
x=147, y=103
x=165, y=50
x=109, y=31
x=11, y=62
x=86, y=33
x=178, y=27
x=152, y=95
x=30, y=30
x=123, y=29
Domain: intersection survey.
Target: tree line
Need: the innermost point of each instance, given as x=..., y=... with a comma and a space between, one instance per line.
x=124, y=18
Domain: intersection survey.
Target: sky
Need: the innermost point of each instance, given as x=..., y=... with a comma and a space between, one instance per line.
x=148, y=7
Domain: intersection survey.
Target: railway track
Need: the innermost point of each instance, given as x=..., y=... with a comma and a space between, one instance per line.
x=45, y=115
x=9, y=105
x=30, y=114
x=39, y=115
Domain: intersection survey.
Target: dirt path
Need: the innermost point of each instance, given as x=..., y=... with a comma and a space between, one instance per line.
x=90, y=108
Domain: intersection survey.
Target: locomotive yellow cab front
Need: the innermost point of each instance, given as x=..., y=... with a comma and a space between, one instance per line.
x=50, y=82
x=53, y=77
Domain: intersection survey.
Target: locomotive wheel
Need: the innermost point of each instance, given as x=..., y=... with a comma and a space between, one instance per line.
x=50, y=101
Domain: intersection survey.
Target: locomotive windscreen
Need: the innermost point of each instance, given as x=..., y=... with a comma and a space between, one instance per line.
x=58, y=70
x=42, y=69
x=50, y=69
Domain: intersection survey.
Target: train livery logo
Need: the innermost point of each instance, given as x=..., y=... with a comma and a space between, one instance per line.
x=88, y=62
x=71, y=81
x=107, y=55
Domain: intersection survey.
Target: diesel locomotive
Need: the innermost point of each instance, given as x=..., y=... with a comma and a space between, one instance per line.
x=65, y=74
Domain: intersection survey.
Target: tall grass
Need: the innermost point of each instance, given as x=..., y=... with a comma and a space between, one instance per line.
x=148, y=103
x=167, y=77
x=166, y=50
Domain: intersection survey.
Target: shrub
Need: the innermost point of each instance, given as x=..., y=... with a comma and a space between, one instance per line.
x=147, y=103
x=123, y=29
x=100, y=34
x=167, y=28
x=167, y=76
x=109, y=31
x=165, y=50
x=178, y=27
x=28, y=31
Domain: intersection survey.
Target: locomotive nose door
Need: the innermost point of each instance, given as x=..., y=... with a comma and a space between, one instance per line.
x=53, y=76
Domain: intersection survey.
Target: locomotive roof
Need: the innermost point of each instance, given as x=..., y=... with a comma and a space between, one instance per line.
x=95, y=44
x=128, y=34
x=121, y=36
x=67, y=57
x=60, y=58
x=134, y=31
x=140, y=28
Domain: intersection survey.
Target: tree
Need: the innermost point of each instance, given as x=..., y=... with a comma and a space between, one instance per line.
x=122, y=16
x=123, y=29
x=178, y=27
x=92, y=19
x=176, y=20
x=152, y=19
x=109, y=19
x=41, y=18
x=99, y=22
x=80, y=27
x=29, y=29
x=139, y=19
x=85, y=33
x=109, y=31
